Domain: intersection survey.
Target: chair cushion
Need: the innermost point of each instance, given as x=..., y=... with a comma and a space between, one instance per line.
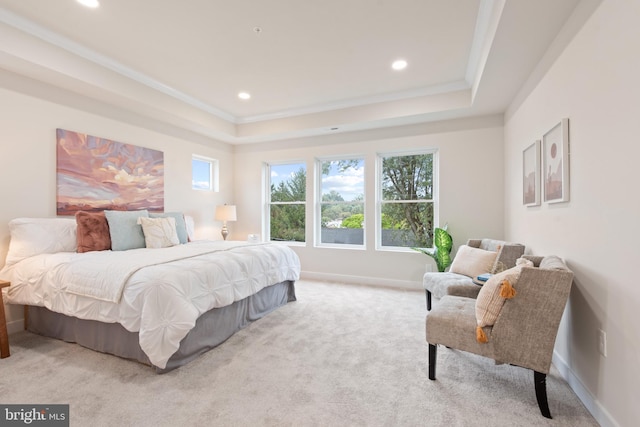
x=441, y=284
x=452, y=323
x=472, y=262
x=490, y=301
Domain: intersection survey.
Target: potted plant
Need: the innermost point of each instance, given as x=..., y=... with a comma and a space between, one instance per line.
x=441, y=252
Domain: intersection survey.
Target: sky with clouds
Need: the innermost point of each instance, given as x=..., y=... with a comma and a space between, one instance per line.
x=349, y=183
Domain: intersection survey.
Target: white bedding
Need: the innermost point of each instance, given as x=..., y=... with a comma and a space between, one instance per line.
x=157, y=292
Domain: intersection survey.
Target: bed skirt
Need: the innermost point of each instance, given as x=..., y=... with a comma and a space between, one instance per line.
x=212, y=328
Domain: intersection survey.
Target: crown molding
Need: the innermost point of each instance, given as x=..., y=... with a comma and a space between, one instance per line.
x=83, y=52
x=489, y=15
x=359, y=102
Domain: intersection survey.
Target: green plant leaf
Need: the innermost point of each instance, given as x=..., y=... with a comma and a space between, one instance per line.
x=426, y=251
x=443, y=243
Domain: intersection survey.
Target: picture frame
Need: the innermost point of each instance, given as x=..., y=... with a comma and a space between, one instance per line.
x=555, y=163
x=531, y=175
x=95, y=174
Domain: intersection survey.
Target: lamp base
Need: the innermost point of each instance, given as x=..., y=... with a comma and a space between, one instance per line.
x=224, y=231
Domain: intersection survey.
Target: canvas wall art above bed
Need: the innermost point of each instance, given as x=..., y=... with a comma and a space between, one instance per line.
x=94, y=174
x=135, y=286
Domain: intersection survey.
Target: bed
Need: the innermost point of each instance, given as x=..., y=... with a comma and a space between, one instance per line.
x=160, y=306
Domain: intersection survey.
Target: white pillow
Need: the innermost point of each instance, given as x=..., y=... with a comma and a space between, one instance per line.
x=34, y=236
x=191, y=229
x=159, y=232
x=472, y=262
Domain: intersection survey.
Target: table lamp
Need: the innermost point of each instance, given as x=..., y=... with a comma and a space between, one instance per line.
x=225, y=213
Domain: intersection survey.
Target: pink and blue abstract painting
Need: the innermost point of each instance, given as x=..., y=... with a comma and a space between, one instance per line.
x=94, y=174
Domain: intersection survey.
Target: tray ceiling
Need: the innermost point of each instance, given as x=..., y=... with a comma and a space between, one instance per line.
x=310, y=67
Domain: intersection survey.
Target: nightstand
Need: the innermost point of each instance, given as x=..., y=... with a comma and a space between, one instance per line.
x=4, y=336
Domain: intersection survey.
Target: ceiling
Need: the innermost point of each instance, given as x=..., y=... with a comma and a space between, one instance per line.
x=311, y=67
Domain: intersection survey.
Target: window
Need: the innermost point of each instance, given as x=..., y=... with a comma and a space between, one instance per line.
x=406, y=200
x=204, y=173
x=341, y=208
x=287, y=201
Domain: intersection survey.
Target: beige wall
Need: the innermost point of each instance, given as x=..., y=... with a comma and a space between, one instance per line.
x=28, y=165
x=470, y=157
x=594, y=83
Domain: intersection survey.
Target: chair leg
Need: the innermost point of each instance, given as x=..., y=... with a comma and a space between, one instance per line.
x=428, y=300
x=540, y=381
x=432, y=361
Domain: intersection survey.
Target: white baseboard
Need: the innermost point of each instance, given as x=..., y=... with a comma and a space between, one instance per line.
x=361, y=280
x=599, y=412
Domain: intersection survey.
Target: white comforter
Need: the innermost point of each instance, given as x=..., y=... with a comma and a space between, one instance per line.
x=157, y=292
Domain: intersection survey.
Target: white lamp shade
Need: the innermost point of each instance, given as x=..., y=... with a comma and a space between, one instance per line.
x=225, y=213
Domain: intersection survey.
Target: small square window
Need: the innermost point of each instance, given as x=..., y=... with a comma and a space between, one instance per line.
x=204, y=173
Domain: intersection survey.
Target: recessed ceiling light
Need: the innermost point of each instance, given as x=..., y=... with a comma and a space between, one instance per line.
x=89, y=3
x=399, y=64
x=244, y=95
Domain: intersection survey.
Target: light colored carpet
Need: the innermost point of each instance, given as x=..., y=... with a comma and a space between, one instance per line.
x=342, y=355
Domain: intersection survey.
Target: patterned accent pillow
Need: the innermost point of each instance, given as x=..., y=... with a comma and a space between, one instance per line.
x=472, y=262
x=93, y=231
x=159, y=232
x=181, y=225
x=495, y=291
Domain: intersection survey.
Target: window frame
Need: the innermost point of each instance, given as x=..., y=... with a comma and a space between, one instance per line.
x=379, y=197
x=267, y=203
x=214, y=173
x=317, y=211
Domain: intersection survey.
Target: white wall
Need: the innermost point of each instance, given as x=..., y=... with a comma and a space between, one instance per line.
x=28, y=165
x=594, y=83
x=470, y=155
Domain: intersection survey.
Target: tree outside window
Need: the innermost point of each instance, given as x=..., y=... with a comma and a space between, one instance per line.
x=342, y=204
x=406, y=200
x=287, y=201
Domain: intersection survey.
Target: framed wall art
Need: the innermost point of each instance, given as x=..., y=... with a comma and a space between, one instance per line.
x=555, y=163
x=531, y=175
x=95, y=174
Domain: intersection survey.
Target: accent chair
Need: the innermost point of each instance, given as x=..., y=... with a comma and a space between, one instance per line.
x=524, y=328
